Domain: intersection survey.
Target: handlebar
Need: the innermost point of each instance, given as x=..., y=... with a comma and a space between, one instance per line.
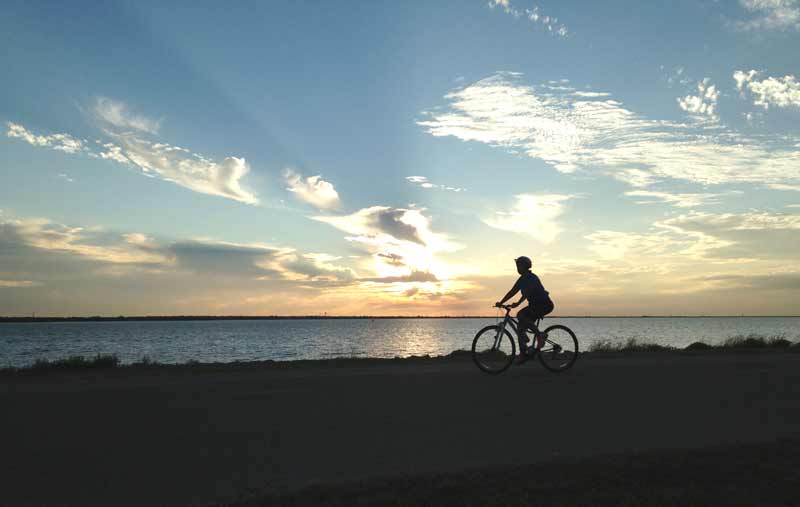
x=505, y=307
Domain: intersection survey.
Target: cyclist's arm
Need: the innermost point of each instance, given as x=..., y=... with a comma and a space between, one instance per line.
x=510, y=295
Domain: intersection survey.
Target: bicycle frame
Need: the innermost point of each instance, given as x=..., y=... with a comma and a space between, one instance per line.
x=514, y=324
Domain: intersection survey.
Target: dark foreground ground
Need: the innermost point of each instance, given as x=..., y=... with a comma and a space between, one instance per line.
x=644, y=429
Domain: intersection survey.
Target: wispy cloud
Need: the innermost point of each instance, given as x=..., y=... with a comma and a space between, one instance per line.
x=19, y=284
x=180, y=166
x=776, y=91
x=532, y=215
x=58, y=142
x=422, y=181
x=681, y=200
x=768, y=15
x=312, y=189
x=118, y=114
x=533, y=15
x=572, y=133
x=171, y=163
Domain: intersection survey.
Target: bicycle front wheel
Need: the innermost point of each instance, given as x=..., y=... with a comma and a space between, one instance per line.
x=493, y=349
x=560, y=349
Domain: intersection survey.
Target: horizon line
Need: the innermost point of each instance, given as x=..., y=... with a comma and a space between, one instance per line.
x=18, y=319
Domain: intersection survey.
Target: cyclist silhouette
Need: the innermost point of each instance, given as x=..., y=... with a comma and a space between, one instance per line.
x=539, y=302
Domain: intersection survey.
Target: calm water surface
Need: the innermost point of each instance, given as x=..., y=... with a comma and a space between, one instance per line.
x=250, y=340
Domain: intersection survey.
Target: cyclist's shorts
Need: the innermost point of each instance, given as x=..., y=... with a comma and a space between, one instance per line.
x=537, y=310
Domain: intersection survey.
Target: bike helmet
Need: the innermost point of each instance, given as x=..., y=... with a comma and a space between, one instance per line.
x=524, y=262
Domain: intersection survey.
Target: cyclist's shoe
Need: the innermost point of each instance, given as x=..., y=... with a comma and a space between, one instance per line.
x=540, y=337
x=522, y=357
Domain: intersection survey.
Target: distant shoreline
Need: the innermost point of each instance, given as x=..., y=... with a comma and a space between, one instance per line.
x=358, y=317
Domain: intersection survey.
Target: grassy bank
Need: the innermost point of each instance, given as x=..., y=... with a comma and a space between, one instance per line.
x=739, y=342
x=742, y=343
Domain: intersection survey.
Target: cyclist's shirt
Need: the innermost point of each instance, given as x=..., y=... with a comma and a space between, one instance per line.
x=532, y=288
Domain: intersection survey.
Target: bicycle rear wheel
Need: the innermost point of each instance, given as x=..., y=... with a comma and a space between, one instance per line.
x=560, y=349
x=493, y=349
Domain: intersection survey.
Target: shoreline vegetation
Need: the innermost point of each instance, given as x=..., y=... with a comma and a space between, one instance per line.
x=123, y=318
x=742, y=343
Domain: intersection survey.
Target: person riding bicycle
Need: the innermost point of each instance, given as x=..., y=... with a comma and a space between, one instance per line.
x=539, y=302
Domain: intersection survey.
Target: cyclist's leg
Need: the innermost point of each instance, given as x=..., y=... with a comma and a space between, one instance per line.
x=525, y=322
x=538, y=311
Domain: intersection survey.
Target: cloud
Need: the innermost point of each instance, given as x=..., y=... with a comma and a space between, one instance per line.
x=573, y=133
x=778, y=15
x=752, y=236
x=780, y=186
x=770, y=281
x=414, y=276
x=318, y=267
x=382, y=222
x=612, y=245
x=776, y=91
x=400, y=240
x=171, y=163
x=679, y=200
x=45, y=235
x=532, y=215
x=118, y=115
x=184, y=168
x=225, y=258
x=533, y=16
x=312, y=189
x=422, y=181
x=704, y=104
x=19, y=284
x=58, y=142
x=753, y=220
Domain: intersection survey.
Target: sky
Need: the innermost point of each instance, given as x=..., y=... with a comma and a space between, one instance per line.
x=393, y=158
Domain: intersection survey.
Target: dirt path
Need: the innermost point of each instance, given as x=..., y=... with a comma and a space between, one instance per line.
x=193, y=436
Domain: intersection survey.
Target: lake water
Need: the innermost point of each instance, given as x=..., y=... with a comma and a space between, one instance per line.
x=252, y=340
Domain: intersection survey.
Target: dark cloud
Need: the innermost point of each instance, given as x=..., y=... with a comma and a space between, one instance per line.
x=389, y=222
x=392, y=259
x=304, y=266
x=414, y=276
x=224, y=258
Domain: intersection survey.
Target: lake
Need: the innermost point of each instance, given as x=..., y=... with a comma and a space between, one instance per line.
x=289, y=339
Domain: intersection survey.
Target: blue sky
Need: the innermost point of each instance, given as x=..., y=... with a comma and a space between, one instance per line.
x=394, y=157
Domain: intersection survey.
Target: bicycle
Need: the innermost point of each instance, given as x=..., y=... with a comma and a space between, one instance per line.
x=556, y=347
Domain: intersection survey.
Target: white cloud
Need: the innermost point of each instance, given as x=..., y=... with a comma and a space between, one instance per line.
x=780, y=15
x=704, y=104
x=532, y=215
x=533, y=15
x=117, y=114
x=59, y=142
x=422, y=181
x=574, y=133
x=170, y=163
x=312, y=189
x=400, y=240
x=184, y=168
x=776, y=91
x=678, y=199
